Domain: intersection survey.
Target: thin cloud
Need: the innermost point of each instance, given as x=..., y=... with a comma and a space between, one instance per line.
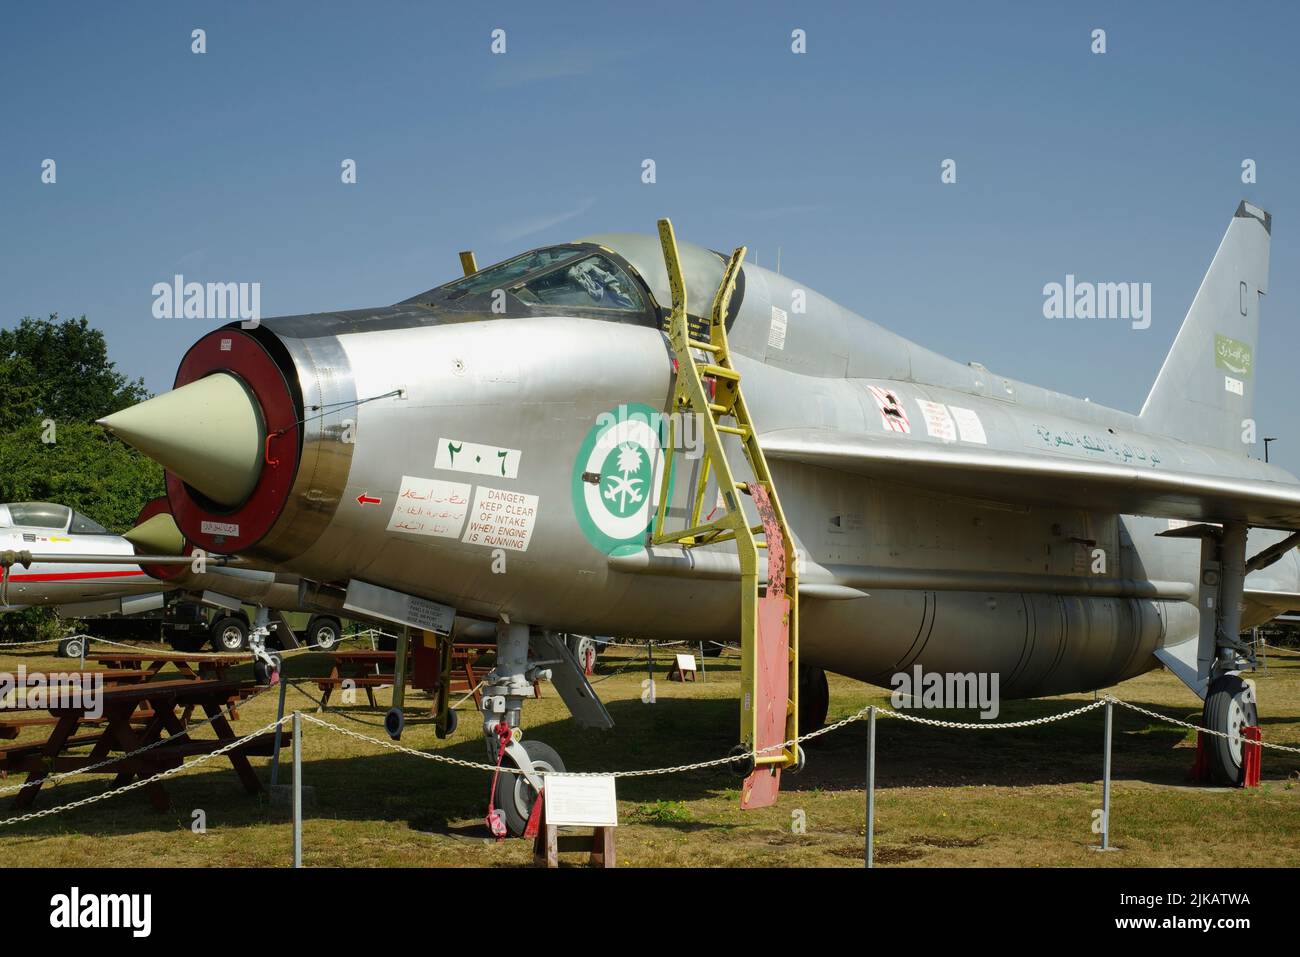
x=522, y=228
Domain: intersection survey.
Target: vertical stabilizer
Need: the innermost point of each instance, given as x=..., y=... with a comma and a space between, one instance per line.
x=1205, y=392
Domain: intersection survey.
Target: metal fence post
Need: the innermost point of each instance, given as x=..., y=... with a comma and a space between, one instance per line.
x=279, y=730
x=871, y=787
x=297, y=789
x=1105, y=782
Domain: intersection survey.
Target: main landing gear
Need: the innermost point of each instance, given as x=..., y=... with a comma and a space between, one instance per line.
x=1229, y=707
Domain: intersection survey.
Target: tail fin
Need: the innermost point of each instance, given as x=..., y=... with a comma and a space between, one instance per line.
x=1205, y=392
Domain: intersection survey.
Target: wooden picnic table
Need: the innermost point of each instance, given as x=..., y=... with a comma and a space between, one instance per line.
x=117, y=734
x=365, y=669
x=361, y=667
x=189, y=665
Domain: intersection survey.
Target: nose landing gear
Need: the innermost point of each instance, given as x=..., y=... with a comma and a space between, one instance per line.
x=505, y=688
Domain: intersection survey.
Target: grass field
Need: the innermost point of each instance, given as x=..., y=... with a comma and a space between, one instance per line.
x=945, y=797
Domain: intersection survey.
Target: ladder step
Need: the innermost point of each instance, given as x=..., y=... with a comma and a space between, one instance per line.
x=734, y=429
x=705, y=346
x=720, y=372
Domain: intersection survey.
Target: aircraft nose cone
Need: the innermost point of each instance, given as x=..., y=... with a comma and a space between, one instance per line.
x=157, y=536
x=209, y=433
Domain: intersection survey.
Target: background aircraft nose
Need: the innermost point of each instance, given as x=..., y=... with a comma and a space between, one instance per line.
x=209, y=433
x=157, y=535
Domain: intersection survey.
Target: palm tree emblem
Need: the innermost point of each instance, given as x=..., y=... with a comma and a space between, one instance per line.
x=622, y=491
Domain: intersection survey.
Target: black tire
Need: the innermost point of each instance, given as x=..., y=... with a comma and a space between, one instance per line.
x=1229, y=706
x=71, y=647
x=229, y=634
x=453, y=720
x=187, y=643
x=515, y=796
x=324, y=633
x=814, y=699
x=262, y=671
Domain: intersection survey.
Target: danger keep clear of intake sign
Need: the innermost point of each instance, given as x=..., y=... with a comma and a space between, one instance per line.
x=500, y=518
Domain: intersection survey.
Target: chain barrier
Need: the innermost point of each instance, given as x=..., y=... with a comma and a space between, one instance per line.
x=1196, y=727
x=193, y=725
x=169, y=772
x=647, y=772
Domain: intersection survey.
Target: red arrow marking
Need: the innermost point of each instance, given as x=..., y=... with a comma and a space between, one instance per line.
x=366, y=499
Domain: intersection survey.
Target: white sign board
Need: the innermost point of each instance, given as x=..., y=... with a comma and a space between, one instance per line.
x=501, y=518
x=685, y=663
x=430, y=507
x=575, y=800
x=377, y=602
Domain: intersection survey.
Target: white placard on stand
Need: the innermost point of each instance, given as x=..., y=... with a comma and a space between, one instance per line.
x=574, y=800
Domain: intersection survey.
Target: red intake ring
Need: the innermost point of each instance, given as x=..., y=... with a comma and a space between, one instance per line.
x=229, y=531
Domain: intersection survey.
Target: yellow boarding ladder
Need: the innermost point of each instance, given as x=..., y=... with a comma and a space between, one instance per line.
x=709, y=388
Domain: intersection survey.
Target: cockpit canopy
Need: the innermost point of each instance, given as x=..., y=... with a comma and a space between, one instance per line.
x=562, y=280
x=49, y=516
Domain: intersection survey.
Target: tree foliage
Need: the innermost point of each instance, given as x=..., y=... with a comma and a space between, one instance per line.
x=56, y=380
x=65, y=363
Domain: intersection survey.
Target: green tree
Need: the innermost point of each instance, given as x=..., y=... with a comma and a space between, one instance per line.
x=83, y=467
x=72, y=377
x=56, y=379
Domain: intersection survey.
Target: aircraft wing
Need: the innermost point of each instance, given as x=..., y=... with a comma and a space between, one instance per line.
x=1053, y=480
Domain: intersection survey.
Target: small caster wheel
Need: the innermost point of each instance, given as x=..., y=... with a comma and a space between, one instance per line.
x=800, y=760
x=742, y=762
x=452, y=721
x=394, y=722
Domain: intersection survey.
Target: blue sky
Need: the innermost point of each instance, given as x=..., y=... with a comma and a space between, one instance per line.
x=226, y=166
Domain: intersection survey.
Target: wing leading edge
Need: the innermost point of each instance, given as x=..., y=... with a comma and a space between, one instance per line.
x=1049, y=480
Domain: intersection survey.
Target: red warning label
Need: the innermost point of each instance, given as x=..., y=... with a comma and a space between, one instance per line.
x=892, y=415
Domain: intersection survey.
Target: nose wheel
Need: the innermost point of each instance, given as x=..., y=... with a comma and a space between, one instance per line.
x=514, y=795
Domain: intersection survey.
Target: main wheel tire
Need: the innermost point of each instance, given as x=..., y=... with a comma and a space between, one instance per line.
x=584, y=649
x=324, y=633
x=1229, y=707
x=71, y=647
x=230, y=634
x=814, y=699
x=188, y=643
x=515, y=796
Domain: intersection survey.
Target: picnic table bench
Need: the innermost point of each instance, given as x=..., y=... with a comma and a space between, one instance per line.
x=365, y=669
x=361, y=667
x=117, y=734
x=189, y=665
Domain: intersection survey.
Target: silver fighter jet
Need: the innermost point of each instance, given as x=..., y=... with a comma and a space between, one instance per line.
x=492, y=455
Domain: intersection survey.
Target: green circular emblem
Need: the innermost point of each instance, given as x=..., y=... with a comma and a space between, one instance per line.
x=616, y=477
